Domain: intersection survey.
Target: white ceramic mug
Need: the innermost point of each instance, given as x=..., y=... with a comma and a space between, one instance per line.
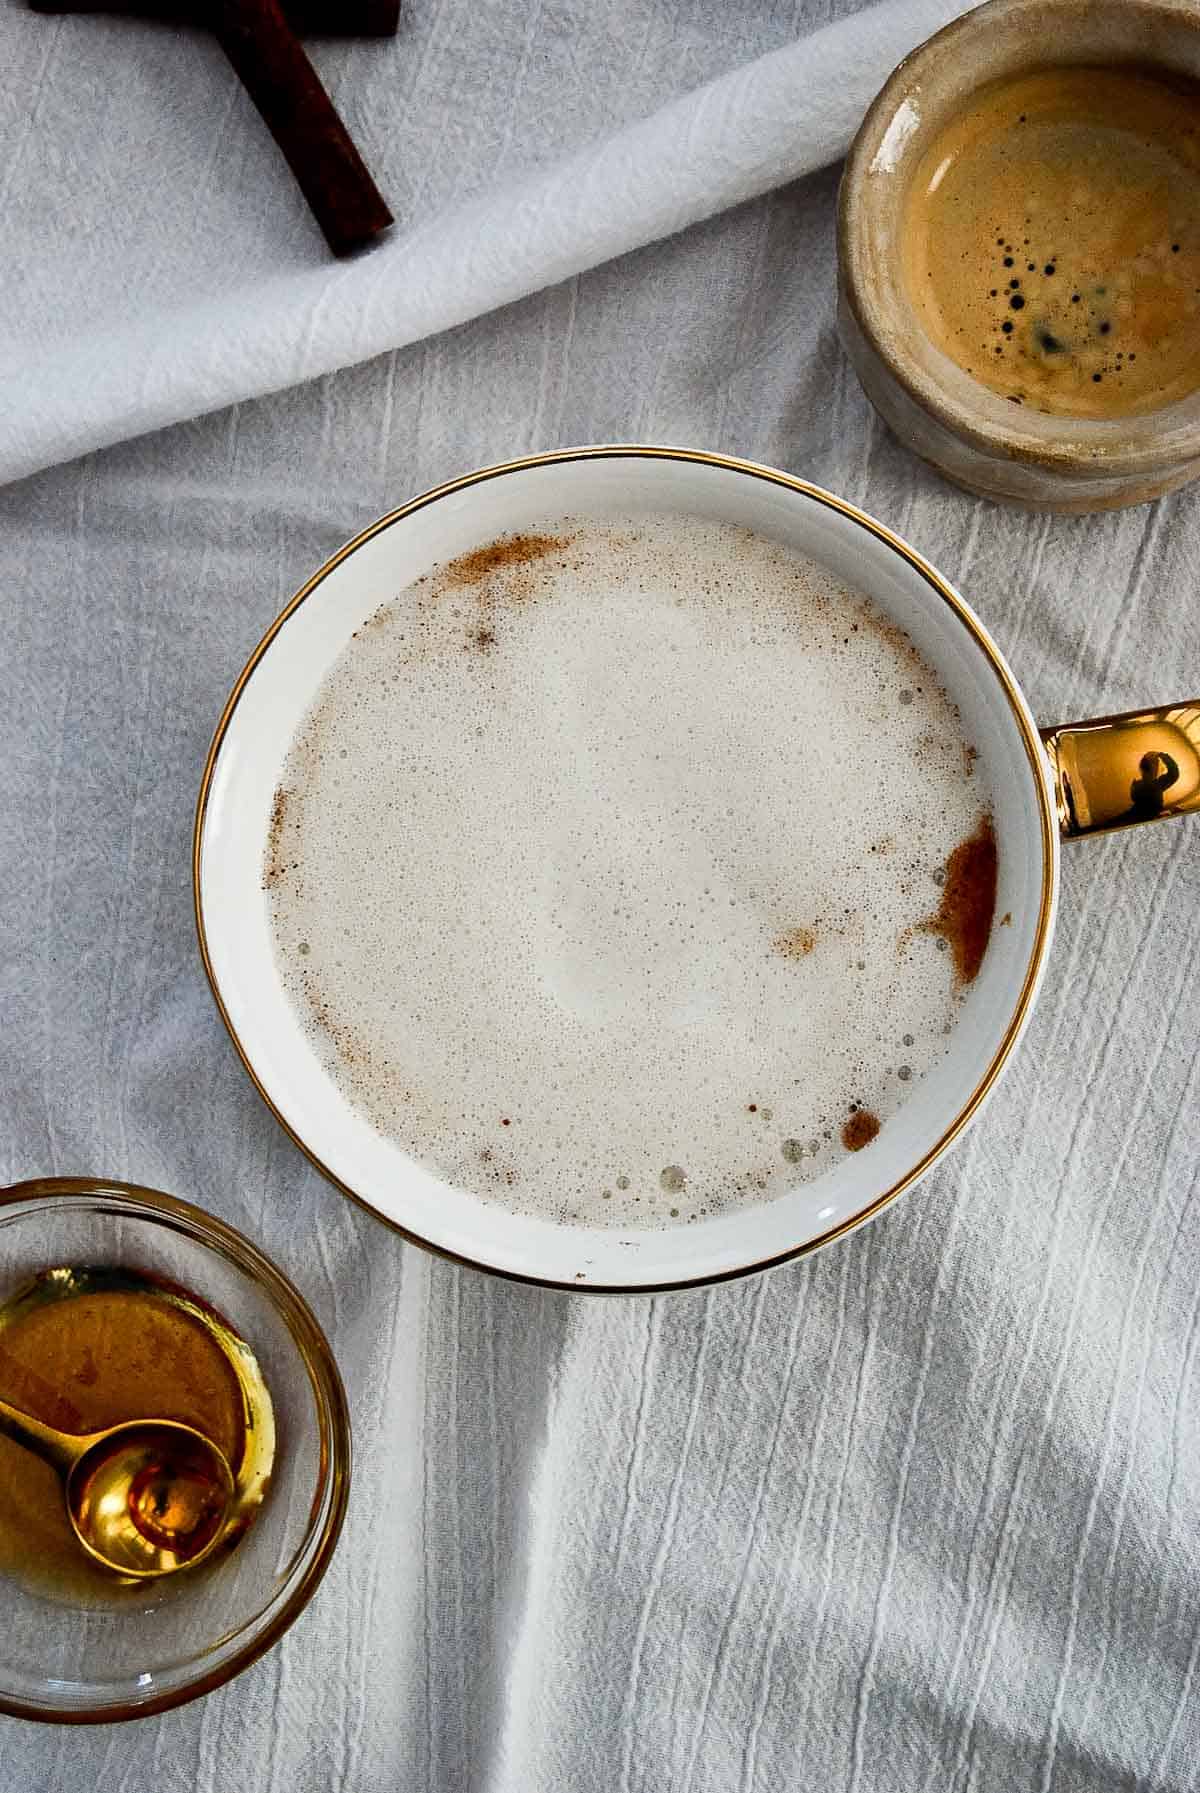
x=1074, y=780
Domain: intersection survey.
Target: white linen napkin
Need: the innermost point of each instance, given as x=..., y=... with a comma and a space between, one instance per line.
x=92, y=359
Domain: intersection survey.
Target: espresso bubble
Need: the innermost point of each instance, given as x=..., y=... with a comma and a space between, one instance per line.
x=596, y=917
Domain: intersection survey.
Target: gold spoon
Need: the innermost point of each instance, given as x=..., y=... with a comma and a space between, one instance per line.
x=145, y=1498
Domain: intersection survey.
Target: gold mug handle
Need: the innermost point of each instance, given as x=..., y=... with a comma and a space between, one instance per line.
x=1140, y=766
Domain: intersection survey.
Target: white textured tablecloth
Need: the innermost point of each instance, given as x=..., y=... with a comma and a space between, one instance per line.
x=206, y=282
x=919, y=1514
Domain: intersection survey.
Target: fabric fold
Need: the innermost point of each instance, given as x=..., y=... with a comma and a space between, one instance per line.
x=768, y=122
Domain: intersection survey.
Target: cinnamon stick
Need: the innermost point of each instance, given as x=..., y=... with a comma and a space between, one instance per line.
x=272, y=66
x=308, y=18
x=343, y=18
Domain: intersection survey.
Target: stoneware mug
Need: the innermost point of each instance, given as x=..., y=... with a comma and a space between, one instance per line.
x=1046, y=784
x=969, y=433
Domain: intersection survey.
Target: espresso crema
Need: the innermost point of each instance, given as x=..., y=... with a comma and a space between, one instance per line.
x=1051, y=240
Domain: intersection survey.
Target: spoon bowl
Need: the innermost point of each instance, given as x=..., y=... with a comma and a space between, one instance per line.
x=150, y=1498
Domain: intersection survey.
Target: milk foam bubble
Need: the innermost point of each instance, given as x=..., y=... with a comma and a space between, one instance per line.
x=602, y=870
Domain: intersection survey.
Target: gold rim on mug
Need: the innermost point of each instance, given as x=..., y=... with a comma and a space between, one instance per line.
x=1034, y=751
x=333, y=1415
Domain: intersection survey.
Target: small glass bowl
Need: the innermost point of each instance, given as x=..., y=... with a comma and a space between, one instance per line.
x=68, y=1660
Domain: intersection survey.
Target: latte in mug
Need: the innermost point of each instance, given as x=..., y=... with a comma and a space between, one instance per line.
x=628, y=872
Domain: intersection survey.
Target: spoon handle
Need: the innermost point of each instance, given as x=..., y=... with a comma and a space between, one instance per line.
x=59, y=1449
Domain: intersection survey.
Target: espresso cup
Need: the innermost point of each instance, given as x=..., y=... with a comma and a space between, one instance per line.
x=1067, y=781
x=1008, y=451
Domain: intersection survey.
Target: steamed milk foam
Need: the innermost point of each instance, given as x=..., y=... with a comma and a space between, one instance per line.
x=629, y=872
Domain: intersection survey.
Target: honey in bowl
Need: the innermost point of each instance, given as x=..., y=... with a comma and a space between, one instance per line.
x=83, y=1349
x=1051, y=240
